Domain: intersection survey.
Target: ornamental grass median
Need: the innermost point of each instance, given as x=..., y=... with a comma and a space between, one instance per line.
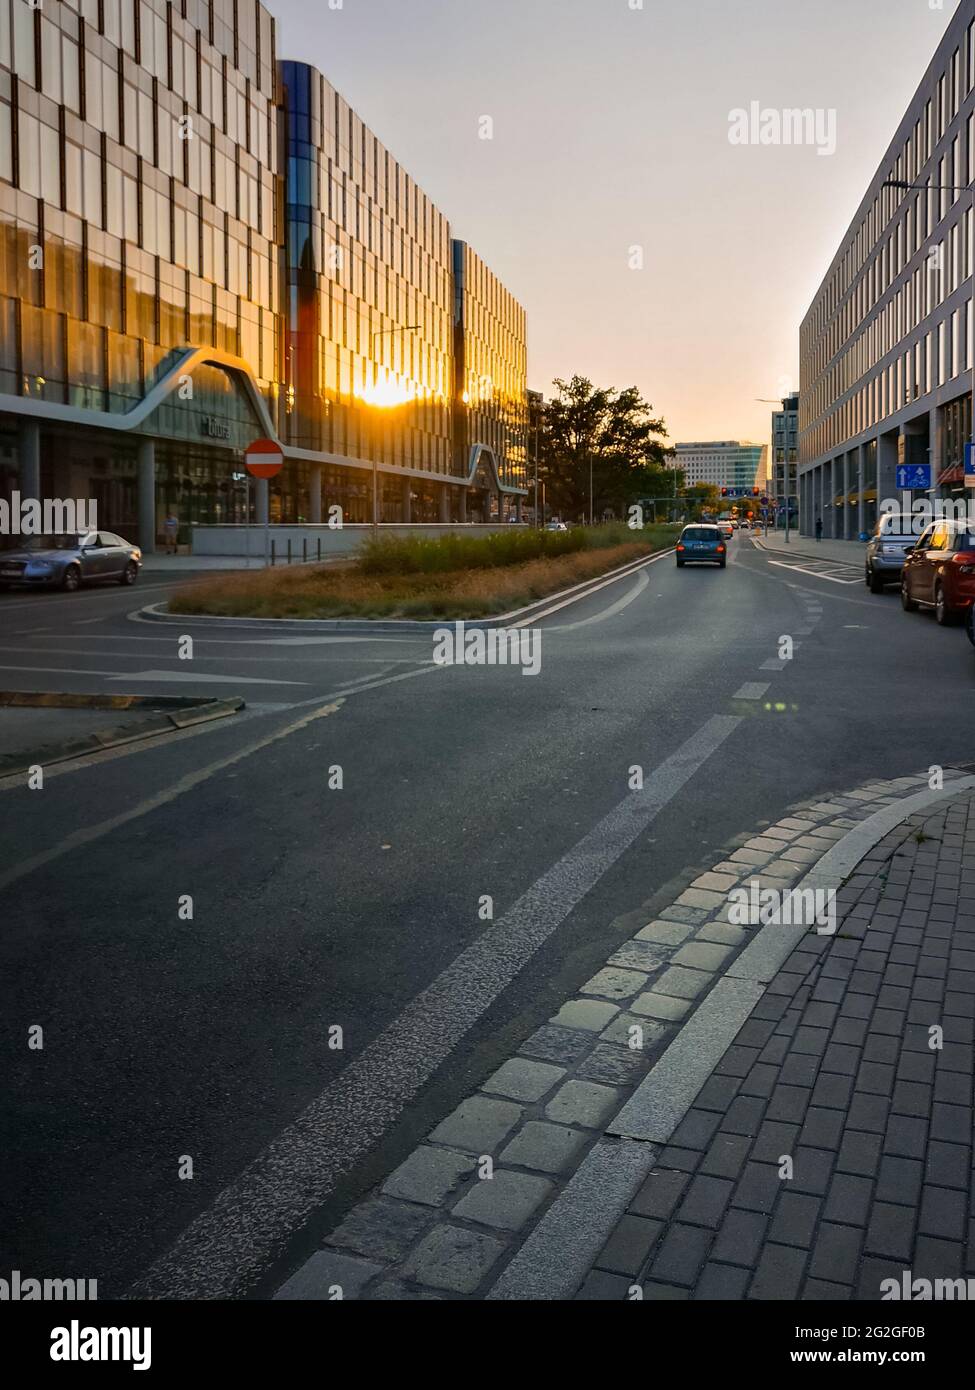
x=453, y=577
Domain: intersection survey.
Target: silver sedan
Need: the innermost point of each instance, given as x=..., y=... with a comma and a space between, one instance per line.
x=68, y=561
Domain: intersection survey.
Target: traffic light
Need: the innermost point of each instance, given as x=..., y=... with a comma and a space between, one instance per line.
x=724, y=492
x=755, y=491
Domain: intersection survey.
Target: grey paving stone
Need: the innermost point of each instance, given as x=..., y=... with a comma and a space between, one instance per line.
x=642, y=956
x=848, y=1200
x=453, y=1258
x=705, y=1201
x=505, y=1201
x=614, y=1066
x=660, y=1193
x=563, y=1045
x=660, y=933
x=429, y=1176
x=629, y=1247
x=779, y=1273
x=545, y=1147
x=740, y=1238
x=478, y=1125
x=623, y=1031
x=795, y=1219
x=584, y=1103
x=722, y=1283
x=703, y=955
x=616, y=984
x=891, y=1231
x=664, y=1008
x=679, y=983
x=859, y=1153
x=602, y=1287
x=329, y=1276
x=524, y=1080
x=381, y=1228
x=681, y=1255
x=725, y=1155
x=394, y=1291
x=592, y=1015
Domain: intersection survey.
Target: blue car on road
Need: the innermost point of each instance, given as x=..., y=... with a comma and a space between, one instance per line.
x=702, y=544
x=68, y=561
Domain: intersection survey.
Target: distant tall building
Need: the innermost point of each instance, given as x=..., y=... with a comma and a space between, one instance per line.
x=726, y=463
x=785, y=450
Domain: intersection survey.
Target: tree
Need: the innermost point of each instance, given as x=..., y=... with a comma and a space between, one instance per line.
x=615, y=431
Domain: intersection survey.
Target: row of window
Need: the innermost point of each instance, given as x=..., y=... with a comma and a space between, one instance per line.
x=934, y=360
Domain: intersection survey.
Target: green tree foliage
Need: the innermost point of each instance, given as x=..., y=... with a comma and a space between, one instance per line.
x=618, y=432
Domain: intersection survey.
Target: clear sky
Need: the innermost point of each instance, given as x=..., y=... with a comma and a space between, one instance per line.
x=611, y=130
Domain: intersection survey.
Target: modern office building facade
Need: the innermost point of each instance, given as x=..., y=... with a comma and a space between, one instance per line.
x=727, y=463
x=201, y=245
x=886, y=346
x=783, y=481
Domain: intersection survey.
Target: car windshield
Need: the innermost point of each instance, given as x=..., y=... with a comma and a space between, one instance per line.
x=67, y=541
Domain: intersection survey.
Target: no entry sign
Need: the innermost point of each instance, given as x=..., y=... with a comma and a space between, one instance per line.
x=263, y=458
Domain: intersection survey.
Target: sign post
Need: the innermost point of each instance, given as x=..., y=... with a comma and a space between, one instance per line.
x=264, y=459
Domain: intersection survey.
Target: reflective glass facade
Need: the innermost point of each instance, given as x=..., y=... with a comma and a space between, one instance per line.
x=167, y=185
x=491, y=350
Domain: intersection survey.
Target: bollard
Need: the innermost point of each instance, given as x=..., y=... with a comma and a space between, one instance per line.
x=273, y=543
x=304, y=550
x=319, y=548
x=289, y=550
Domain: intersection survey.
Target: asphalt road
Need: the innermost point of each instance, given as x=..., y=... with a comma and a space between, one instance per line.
x=316, y=907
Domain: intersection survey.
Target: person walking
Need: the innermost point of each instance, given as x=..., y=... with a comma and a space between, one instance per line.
x=819, y=528
x=171, y=529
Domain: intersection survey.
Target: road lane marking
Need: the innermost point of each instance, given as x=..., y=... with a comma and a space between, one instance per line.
x=226, y=1248
x=198, y=677
x=752, y=690
x=642, y=582
x=578, y=598
x=815, y=574
x=772, y=665
x=88, y=834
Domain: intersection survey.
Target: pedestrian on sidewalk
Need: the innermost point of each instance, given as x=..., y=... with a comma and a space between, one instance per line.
x=819, y=528
x=171, y=530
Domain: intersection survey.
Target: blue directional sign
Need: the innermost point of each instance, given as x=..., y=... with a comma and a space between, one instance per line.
x=970, y=464
x=913, y=477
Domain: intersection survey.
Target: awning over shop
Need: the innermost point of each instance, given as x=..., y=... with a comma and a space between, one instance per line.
x=954, y=474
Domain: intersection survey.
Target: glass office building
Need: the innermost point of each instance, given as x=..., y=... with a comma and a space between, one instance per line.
x=200, y=245
x=139, y=228
x=491, y=355
x=886, y=346
x=730, y=463
x=783, y=484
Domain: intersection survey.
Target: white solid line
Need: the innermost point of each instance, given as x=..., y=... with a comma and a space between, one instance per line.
x=814, y=574
x=642, y=581
x=615, y=579
x=226, y=1247
x=198, y=677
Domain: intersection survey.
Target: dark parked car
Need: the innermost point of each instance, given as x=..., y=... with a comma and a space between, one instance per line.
x=68, y=561
x=701, y=544
x=939, y=572
x=890, y=540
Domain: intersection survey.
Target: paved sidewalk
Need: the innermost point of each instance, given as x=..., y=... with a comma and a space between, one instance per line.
x=848, y=552
x=514, y=1194
x=831, y=1148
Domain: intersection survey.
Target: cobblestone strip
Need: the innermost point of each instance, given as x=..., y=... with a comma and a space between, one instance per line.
x=446, y=1222
x=832, y=1147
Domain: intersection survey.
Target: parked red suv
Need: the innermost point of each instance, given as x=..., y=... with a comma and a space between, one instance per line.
x=939, y=571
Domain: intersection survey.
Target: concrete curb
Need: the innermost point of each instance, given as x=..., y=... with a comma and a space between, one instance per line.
x=157, y=612
x=554, y=1260
x=181, y=712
